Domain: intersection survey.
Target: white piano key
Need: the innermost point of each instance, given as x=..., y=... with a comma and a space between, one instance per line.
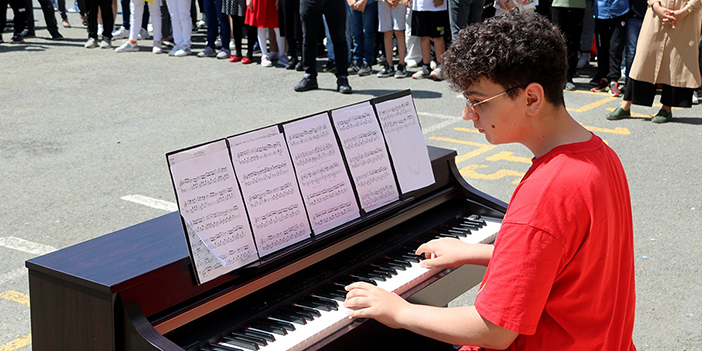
x=330, y=321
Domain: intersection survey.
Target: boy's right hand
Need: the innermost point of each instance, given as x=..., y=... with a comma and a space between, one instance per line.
x=449, y=253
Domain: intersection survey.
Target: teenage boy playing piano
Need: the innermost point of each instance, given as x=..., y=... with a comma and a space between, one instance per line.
x=561, y=273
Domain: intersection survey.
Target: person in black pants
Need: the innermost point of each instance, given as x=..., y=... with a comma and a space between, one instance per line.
x=311, y=12
x=47, y=8
x=105, y=7
x=20, y=11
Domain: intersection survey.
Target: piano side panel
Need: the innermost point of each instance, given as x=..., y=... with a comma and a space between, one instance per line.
x=68, y=316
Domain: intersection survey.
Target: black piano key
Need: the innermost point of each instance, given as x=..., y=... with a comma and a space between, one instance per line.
x=348, y=280
x=379, y=265
x=240, y=342
x=255, y=333
x=377, y=270
x=220, y=347
x=368, y=276
x=387, y=262
x=311, y=310
x=283, y=324
x=312, y=302
x=459, y=232
x=289, y=317
x=330, y=295
x=266, y=326
x=297, y=311
x=257, y=339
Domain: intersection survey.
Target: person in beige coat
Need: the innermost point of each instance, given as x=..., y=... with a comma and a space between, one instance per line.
x=666, y=54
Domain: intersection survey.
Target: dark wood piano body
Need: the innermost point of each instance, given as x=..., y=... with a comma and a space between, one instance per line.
x=134, y=289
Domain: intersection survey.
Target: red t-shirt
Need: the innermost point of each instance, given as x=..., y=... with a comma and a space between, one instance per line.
x=562, y=272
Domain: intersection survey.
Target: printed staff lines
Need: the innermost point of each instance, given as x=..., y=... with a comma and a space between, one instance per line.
x=23, y=340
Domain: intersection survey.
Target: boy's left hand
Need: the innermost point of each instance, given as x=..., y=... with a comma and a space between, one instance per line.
x=369, y=301
x=438, y=3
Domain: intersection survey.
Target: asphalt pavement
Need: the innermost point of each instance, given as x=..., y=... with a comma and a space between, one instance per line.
x=84, y=133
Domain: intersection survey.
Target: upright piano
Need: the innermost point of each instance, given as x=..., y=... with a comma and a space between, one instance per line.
x=134, y=289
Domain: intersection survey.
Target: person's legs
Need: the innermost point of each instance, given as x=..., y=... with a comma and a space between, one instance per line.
x=569, y=20
x=633, y=26
x=459, y=11
x=335, y=11
x=108, y=19
x=355, y=19
x=370, y=28
x=155, y=10
x=176, y=23
x=476, y=12
x=136, y=11
x=617, y=40
x=224, y=30
x=310, y=14
x=126, y=14
x=212, y=23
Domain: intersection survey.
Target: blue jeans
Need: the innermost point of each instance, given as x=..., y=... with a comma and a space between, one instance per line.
x=633, y=26
x=217, y=23
x=364, y=25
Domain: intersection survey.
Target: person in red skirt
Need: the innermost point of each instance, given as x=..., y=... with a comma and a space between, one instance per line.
x=263, y=14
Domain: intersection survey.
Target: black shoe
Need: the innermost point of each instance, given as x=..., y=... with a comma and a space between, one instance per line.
x=300, y=67
x=365, y=69
x=342, y=85
x=308, y=83
x=17, y=39
x=292, y=63
x=56, y=36
x=27, y=34
x=353, y=68
x=329, y=67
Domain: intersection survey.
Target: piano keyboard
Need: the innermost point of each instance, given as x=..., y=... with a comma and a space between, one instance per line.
x=314, y=317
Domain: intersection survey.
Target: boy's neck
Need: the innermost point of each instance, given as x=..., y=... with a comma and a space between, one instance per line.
x=554, y=127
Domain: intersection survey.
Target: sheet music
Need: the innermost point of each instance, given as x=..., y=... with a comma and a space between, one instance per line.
x=265, y=172
x=212, y=207
x=324, y=183
x=406, y=143
x=366, y=155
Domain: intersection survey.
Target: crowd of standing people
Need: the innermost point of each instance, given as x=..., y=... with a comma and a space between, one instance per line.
x=355, y=35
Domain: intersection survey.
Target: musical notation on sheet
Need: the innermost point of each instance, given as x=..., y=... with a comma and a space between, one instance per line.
x=213, y=210
x=264, y=170
x=364, y=147
x=400, y=124
x=324, y=182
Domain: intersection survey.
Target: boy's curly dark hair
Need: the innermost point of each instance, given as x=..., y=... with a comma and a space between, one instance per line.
x=512, y=50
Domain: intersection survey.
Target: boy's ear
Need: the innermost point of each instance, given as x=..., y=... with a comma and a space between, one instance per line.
x=535, y=98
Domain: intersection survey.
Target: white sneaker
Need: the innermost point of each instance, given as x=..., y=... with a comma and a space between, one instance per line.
x=218, y=43
x=91, y=43
x=157, y=49
x=183, y=51
x=422, y=73
x=105, y=43
x=411, y=63
x=127, y=47
x=695, y=99
x=173, y=51
x=584, y=60
x=143, y=34
x=223, y=54
x=437, y=73
x=266, y=62
x=120, y=33
x=100, y=29
x=232, y=45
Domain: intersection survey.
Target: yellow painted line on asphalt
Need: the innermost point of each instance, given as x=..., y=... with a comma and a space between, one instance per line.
x=18, y=343
x=593, y=105
x=15, y=296
x=469, y=130
x=589, y=92
x=470, y=172
x=616, y=130
x=508, y=156
x=482, y=148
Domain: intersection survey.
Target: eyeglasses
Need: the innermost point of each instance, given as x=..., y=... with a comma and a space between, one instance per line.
x=472, y=104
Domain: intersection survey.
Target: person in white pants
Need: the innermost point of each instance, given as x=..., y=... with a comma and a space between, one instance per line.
x=137, y=12
x=182, y=26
